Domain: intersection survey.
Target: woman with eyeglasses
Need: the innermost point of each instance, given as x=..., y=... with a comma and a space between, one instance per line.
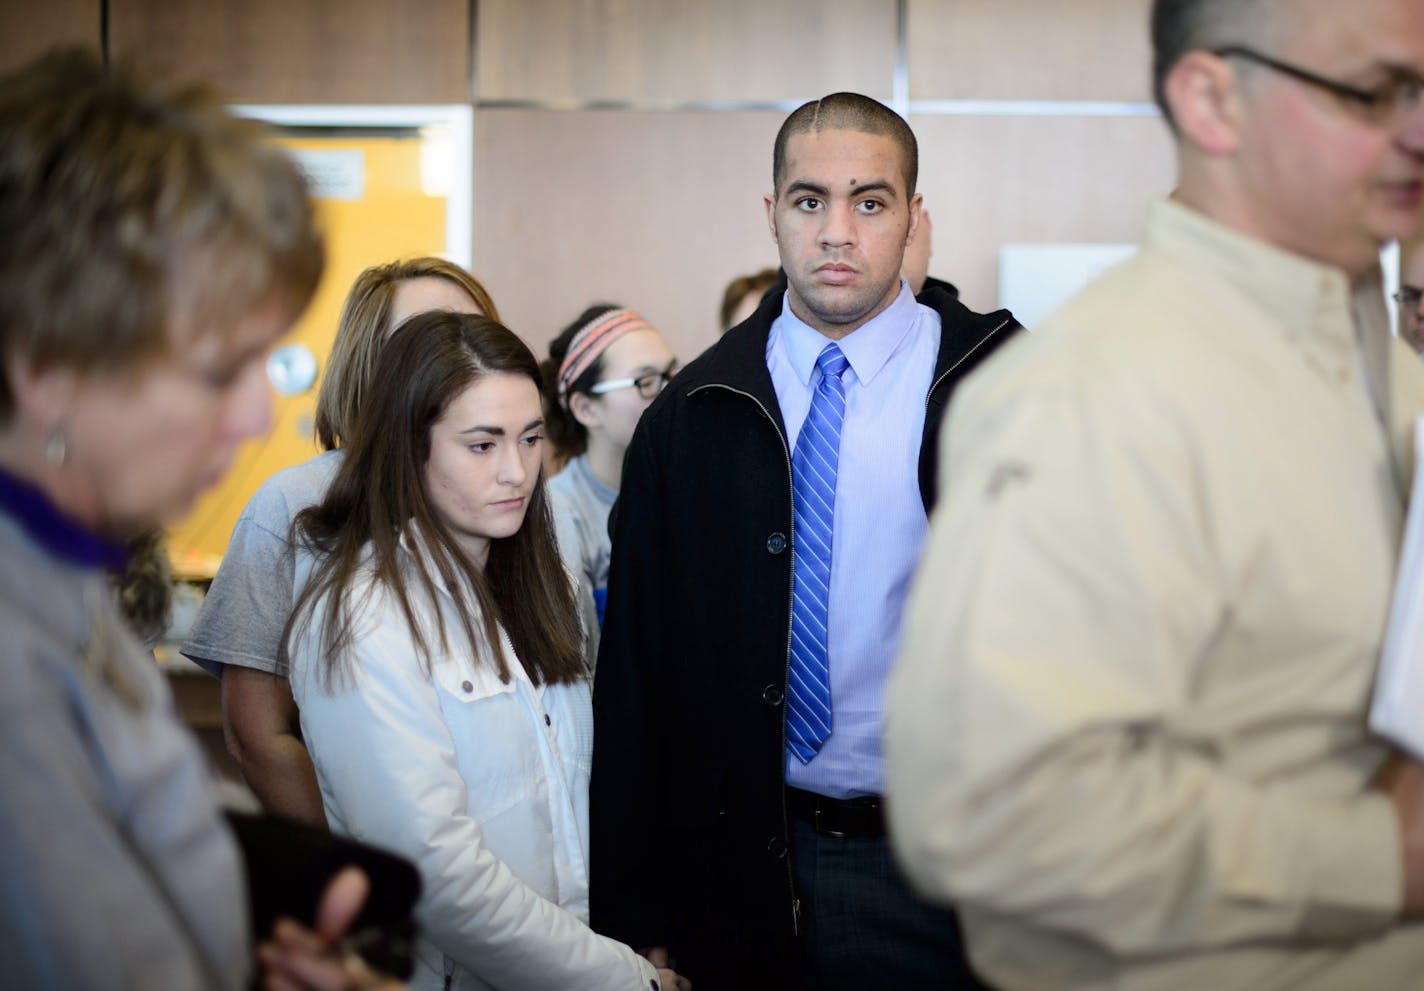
x=603, y=370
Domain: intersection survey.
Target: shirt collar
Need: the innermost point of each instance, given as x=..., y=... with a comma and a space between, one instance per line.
x=426, y=557
x=867, y=348
x=463, y=597
x=51, y=529
x=585, y=472
x=1306, y=300
x=1339, y=325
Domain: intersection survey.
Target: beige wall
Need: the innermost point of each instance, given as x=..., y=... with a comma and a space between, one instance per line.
x=653, y=210
x=28, y=27
x=623, y=146
x=1028, y=49
x=304, y=51
x=684, y=50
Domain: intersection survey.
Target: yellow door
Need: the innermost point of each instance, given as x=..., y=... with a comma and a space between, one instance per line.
x=392, y=216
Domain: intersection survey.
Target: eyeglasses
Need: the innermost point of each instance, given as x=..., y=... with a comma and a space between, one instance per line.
x=648, y=385
x=1409, y=297
x=1387, y=105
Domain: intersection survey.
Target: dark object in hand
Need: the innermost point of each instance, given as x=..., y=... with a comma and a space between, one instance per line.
x=289, y=865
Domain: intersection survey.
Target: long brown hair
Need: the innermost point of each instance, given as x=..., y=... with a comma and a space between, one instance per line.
x=379, y=497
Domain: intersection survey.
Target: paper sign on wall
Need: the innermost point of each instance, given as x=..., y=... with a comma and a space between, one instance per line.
x=334, y=174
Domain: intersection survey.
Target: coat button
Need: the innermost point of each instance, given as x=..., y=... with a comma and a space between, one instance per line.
x=467, y=686
x=772, y=695
x=776, y=846
x=776, y=543
x=547, y=720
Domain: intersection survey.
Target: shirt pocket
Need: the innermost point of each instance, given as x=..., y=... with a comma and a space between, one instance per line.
x=490, y=725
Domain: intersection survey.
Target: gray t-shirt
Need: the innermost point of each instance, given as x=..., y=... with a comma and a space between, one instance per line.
x=581, y=504
x=252, y=595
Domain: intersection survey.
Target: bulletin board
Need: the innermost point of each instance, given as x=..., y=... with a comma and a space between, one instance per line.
x=389, y=182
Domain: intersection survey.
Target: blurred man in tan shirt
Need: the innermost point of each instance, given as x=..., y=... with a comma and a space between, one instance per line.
x=1127, y=732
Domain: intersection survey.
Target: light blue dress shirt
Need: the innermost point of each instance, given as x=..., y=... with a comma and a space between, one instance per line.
x=879, y=518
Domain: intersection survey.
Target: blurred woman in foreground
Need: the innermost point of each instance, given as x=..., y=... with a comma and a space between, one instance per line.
x=154, y=249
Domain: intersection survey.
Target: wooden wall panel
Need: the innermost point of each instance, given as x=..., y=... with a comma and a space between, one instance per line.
x=29, y=27
x=304, y=51
x=683, y=50
x=655, y=210
x=1029, y=50
x=990, y=181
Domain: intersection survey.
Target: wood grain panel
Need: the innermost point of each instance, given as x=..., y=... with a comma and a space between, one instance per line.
x=684, y=50
x=655, y=210
x=29, y=27
x=990, y=181
x=1029, y=50
x=304, y=51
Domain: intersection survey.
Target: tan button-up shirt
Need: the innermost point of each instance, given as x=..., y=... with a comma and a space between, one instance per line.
x=1127, y=729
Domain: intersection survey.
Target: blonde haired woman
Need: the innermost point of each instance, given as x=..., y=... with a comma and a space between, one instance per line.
x=238, y=630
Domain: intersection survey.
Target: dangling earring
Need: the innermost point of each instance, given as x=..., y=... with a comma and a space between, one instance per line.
x=56, y=449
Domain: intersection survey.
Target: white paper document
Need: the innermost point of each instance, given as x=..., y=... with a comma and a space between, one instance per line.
x=1397, y=711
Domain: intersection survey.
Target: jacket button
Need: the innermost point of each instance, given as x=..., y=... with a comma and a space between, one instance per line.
x=776, y=846
x=776, y=543
x=772, y=695
x=467, y=686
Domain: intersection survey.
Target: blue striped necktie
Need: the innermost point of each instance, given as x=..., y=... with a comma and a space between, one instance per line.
x=813, y=492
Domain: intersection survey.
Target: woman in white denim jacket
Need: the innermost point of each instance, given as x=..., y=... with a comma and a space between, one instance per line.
x=433, y=543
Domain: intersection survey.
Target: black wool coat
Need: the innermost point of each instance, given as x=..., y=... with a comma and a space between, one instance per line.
x=688, y=821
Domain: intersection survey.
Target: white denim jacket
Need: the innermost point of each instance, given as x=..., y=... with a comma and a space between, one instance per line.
x=482, y=784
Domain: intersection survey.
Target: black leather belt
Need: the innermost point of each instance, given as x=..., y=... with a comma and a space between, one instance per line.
x=842, y=818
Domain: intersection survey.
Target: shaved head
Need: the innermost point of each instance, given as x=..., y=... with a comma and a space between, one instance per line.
x=848, y=112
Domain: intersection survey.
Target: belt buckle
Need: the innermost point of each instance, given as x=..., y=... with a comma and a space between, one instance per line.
x=834, y=834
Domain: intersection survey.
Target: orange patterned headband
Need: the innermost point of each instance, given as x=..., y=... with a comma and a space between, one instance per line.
x=591, y=341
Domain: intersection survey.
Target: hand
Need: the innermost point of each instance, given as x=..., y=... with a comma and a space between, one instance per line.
x=301, y=959
x=656, y=955
x=669, y=981
x=1403, y=780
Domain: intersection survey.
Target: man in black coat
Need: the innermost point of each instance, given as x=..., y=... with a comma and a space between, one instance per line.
x=754, y=859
